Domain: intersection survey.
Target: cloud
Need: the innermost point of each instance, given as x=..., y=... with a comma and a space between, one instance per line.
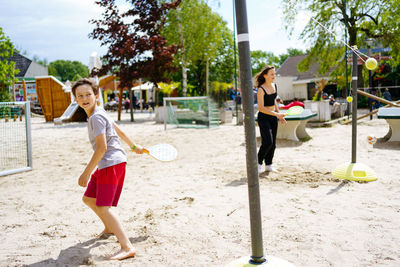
x=51, y=29
x=58, y=29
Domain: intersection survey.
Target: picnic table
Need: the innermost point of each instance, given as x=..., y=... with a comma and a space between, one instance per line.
x=295, y=128
x=392, y=116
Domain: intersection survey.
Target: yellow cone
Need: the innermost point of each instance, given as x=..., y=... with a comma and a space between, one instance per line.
x=355, y=172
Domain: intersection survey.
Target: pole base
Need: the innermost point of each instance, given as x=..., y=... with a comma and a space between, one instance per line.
x=355, y=172
x=271, y=261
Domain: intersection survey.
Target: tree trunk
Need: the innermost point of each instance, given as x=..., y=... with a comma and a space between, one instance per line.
x=131, y=104
x=120, y=103
x=184, y=77
x=182, y=43
x=207, y=64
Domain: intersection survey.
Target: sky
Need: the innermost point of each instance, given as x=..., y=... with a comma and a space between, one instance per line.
x=58, y=29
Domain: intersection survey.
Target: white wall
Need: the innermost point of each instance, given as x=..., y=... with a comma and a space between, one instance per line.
x=300, y=91
x=285, y=87
x=288, y=90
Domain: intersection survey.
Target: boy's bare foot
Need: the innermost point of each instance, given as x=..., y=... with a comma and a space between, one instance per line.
x=105, y=234
x=122, y=254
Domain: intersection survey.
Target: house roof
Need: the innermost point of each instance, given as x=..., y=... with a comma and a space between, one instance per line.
x=27, y=68
x=21, y=62
x=289, y=68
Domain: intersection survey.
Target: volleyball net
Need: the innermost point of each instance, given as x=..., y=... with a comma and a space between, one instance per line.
x=190, y=112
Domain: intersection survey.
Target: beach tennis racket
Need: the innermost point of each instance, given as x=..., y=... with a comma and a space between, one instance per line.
x=162, y=152
x=295, y=110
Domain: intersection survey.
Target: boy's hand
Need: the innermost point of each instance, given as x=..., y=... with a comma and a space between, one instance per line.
x=83, y=180
x=138, y=149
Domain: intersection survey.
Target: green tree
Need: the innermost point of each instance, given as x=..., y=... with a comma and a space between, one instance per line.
x=7, y=68
x=290, y=53
x=223, y=67
x=219, y=92
x=168, y=88
x=260, y=59
x=68, y=70
x=385, y=26
x=377, y=19
x=198, y=32
x=42, y=62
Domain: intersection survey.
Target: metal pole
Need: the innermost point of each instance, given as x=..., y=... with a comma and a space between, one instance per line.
x=131, y=92
x=234, y=55
x=28, y=133
x=369, y=43
x=345, y=40
x=250, y=135
x=370, y=86
x=354, y=113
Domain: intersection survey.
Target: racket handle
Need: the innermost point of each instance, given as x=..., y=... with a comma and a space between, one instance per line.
x=146, y=151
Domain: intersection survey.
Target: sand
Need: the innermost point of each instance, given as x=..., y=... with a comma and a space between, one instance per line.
x=194, y=211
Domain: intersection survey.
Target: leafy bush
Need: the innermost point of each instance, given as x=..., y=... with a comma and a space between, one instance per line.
x=219, y=92
x=5, y=96
x=362, y=102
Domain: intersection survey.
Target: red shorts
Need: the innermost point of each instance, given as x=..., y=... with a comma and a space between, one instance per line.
x=106, y=185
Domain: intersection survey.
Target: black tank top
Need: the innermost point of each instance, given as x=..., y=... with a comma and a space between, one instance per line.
x=269, y=100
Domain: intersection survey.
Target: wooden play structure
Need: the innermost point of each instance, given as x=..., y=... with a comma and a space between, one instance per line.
x=57, y=102
x=53, y=99
x=56, y=99
x=108, y=83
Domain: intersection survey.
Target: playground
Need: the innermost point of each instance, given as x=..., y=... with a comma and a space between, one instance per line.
x=194, y=211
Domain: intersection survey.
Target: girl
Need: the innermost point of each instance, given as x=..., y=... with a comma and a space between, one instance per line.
x=268, y=117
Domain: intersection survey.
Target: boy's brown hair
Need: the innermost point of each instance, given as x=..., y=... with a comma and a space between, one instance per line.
x=84, y=81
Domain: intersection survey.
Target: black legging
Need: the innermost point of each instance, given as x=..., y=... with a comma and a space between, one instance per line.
x=268, y=128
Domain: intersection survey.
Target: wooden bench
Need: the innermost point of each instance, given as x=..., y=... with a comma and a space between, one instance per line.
x=295, y=128
x=392, y=116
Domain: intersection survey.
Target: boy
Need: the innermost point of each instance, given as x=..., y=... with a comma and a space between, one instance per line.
x=106, y=182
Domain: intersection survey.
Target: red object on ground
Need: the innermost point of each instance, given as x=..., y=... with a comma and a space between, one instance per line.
x=294, y=103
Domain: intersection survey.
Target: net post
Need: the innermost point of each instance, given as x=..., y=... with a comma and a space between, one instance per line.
x=165, y=113
x=28, y=133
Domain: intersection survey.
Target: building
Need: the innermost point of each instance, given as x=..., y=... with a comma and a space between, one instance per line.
x=292, y=83
x=28, y=70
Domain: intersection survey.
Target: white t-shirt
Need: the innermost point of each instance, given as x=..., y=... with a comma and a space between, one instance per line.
x=101, y=123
